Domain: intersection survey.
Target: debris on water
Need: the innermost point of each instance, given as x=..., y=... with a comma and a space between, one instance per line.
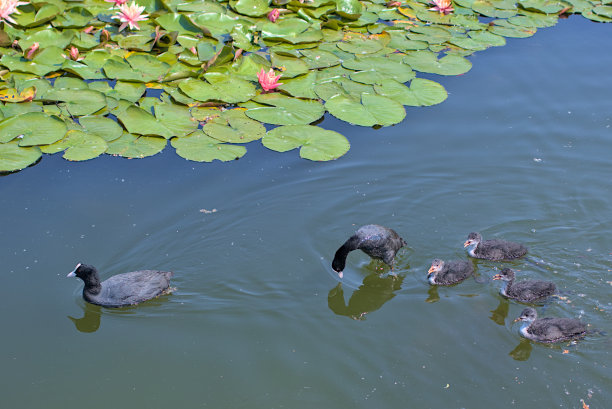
x=205, y=211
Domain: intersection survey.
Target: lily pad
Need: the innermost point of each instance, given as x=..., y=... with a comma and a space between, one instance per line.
x=202, y=148
x=130, y=146
x=234, y=126
x=78, y=146
x=370, y=110
x=427, y=61
x=36, y=128
x=422, y=92
x=283, y=110
x=14, y=157
x=220, y=87
x=315, y=143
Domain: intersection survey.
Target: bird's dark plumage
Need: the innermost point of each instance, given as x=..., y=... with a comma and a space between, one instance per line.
x=493, y=249
x=122, y=289
x=374, y=240
x=526, y=291
x=450, y=272
x=549, y=330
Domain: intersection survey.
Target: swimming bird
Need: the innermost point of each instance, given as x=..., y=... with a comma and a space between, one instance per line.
x=376, y=241
x=122, y=289
x=524, y=291
x=448, y=273
x=549, y=330
x=493, y=249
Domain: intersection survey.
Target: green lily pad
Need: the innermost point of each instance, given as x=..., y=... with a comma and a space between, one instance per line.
x=422, y=92
x=220, y=87
x=369, y=111
x=315, y=143
x=234, y=126
x=291, y=66
x=37, y=128
x=130, y=146
x=14, y=157
x=320, y=59
x=78, y=146
x=427, y=61
x=361, y=46
x=302, y=86
x=253, y=8
x=78, y=101
x=137, y=120
x=202, y=148
x=101, y=126
x=283, y=110
x=31, y=17
x=380, y=68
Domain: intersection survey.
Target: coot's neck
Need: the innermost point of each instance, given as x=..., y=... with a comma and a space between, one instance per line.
x=505, y=287
x=473, y=249
x=525, y=326
x=92, y=284
x=340, y=257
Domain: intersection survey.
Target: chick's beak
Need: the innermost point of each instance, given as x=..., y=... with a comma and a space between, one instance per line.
x=467, y=243
x=497, y=277
x=431, y=269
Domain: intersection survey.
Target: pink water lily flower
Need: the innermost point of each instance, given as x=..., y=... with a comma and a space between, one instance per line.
x=74, y=54
x=268, y=80
x=117, y=2
x=273, y=15
x=442, y=6
x=8, y=7
x=130, y=15
x=31, y=51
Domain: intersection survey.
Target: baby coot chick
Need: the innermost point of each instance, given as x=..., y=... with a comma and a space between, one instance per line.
x=549, y=330
x=374, y=240
x=122, y=289
x=524, y=291
x=493, y=249
x=448, y=273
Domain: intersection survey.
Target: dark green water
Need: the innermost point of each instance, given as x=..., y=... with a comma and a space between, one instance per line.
x=520, y=150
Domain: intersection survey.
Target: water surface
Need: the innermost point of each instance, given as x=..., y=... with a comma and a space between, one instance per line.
x=520, y=150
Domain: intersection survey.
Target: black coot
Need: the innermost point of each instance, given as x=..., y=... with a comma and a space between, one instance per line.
x=374, y=240
x=122, y=289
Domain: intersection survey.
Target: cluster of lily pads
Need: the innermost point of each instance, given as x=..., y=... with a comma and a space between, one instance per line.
x=78, y=78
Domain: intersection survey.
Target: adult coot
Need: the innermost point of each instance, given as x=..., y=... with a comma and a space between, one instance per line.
x=122, y=289
x=448, y=273
x=524, y=291
x=374, y=240
x=493, y=249
x=549, y=329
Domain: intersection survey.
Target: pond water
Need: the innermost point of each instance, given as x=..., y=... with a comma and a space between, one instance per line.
x=520, y=150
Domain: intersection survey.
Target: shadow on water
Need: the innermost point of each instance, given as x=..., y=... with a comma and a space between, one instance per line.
x=522, y=352
x=500, y=314
x=370, y=296
x=90, y=321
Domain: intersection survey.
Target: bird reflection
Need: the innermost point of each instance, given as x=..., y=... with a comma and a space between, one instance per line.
x=90, y=322
x=522, y=351
x=500, y=314
x=370, y=296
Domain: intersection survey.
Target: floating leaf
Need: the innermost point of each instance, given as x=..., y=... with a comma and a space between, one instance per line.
x=284, y=110
x=315, y=143
x=130, y=146
x=220, y=87
x=104, y=127
x=234, y=126
x=202, y=148
x=427, y=61
x=137, y=120
x=12, y=95
x=14, y=157
x=369, y=111
x=78, y=146
x=37, y=128
x=78, y=101
x=421, y=92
